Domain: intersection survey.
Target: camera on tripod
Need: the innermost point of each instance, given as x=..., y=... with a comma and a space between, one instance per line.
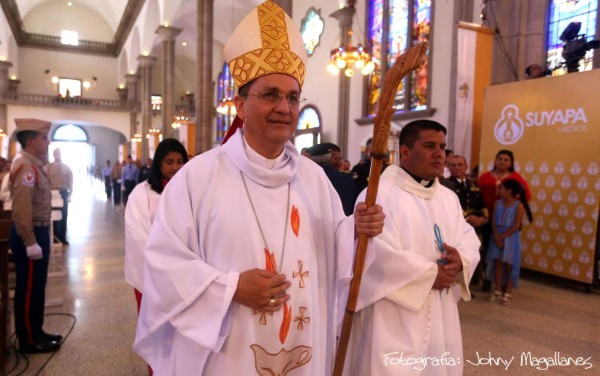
x=576, y=46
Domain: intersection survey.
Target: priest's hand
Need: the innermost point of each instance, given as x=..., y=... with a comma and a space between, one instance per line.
x=453, y=257
x=368, y=221
x=444, y=278
x=260, y=289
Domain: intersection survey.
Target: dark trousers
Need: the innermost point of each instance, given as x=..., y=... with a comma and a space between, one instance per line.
x=107, y=186
x=129, y=185
x=60, y=227
x=116, y=192
x=30, y=291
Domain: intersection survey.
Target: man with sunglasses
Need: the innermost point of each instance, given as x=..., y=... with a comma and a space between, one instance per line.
x=250, y=246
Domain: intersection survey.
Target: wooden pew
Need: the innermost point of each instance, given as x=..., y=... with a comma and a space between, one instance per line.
x=5, y=222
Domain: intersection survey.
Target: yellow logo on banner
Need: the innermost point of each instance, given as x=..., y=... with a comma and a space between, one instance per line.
x=509, y=128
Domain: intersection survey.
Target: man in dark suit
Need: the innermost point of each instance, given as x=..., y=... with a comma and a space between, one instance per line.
x=326, y=155
x=474, y=211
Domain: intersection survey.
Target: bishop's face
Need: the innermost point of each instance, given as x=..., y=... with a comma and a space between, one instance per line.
x=269, y=125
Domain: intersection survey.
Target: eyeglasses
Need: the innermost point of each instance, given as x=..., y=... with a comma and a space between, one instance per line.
x=274, y=97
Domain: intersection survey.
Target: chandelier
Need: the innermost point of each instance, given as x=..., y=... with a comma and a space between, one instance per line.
x=153, y=132
x=176, y=124
x=227, y=107
x=350, y=57
x=136, y=138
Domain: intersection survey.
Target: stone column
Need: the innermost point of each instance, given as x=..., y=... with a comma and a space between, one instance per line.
x=133, y=100
x=4, y=67
x=146, y=63
x=122, y=94
x=204, y=87
x=344, y=17
x=168, y=36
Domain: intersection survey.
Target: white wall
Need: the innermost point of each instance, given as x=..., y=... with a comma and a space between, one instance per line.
x=33, y=62
x=320, y=88
x=79, y=18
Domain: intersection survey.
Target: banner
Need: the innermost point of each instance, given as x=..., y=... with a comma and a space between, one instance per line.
x=552, y=125
x=473, y=71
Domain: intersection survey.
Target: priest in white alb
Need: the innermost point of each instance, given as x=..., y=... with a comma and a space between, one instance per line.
x=250, y=245
x=407, y=321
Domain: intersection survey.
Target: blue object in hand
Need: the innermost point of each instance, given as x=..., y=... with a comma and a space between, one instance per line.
x=440, y=243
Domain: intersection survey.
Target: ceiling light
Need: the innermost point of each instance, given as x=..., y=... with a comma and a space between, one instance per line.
x=69, y=4
x=184, y=44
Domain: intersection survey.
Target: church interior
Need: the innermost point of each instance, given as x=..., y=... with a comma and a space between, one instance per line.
x=117, y=76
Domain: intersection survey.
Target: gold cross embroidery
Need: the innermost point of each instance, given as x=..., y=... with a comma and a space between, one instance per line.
x=263, y=316
x=301, y=320
x=300, y=273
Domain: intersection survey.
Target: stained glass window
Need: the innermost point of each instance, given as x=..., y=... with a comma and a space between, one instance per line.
x=308, y=131
x=562, y=13
x=225, y=108
x=311, y=30
x=409, y=23
x=69, y=132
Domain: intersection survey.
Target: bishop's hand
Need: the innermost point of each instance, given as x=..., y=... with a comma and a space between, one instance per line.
x=260, y=289
x=368, y=221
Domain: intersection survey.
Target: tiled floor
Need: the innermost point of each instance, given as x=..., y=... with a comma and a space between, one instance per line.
x=546, y=317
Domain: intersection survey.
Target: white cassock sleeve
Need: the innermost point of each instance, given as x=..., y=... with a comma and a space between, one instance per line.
x=137, y=228
x=403, y=271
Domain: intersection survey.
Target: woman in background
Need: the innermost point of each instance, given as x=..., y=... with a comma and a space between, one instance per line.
x=141, y=208
x=170, y=156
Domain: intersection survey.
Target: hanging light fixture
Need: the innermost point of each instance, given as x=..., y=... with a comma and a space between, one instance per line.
x=350, y=57
x=178, y=121
x=227, y=106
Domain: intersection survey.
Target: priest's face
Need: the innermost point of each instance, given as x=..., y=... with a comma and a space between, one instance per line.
x=426, y=158
x=270, y=113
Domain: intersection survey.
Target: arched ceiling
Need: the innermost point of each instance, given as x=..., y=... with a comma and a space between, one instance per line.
x=110, y=10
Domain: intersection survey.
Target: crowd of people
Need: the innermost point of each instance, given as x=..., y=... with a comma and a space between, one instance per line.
x=242, y=256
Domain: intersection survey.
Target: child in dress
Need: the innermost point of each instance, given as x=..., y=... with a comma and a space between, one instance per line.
x=504, y=251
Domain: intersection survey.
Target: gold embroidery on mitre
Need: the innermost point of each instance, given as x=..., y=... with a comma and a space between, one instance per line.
x=275, y=56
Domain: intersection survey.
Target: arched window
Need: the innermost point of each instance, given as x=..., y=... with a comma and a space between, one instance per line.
x=308, y=131
x=69, y=132
x=225, y=107
x=562, y=13
x=408, y=23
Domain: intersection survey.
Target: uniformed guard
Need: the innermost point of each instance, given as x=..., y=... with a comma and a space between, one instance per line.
x=30, y=236
x=61, y=179
x=474, y=210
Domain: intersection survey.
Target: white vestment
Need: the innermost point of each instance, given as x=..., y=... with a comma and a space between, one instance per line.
x=403, y=326
x=205, y=234
x=139, y=215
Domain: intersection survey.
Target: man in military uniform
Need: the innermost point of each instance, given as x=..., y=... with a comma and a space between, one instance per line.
x=61, y=179
x=361, y=171
x=474, y=211
x=30, y=236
